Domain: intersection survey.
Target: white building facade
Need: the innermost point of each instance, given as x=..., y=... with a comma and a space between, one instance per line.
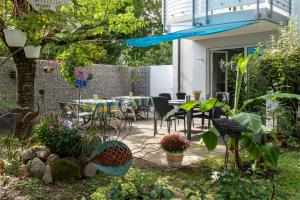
x=196, y=59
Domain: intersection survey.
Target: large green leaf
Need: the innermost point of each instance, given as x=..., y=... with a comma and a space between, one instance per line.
x=272, y=97
x=189, y=105
x=171, y=113
x=250, y=121
x=252, y=147
x=208, y=105
x=243, y=64
x=9, y=104
x=210, y=138
x=271, y=154
x=212, y=103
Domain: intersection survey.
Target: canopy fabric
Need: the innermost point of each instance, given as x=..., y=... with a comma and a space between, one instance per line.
x=198, y=31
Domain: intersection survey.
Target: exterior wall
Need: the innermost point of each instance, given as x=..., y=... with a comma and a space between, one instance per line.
x=195, y=58
x=108, y=81
x=161, y=79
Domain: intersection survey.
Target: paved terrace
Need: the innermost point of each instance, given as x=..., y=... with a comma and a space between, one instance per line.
x=143, y=129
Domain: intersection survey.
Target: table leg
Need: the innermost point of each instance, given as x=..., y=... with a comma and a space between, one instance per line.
x=189, y=124
x=155, y=124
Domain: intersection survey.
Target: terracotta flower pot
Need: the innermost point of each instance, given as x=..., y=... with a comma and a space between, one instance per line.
x=197, y=95
x=174, y=159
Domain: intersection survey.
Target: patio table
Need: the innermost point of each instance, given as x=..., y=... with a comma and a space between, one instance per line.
x=189, y=114
x=104, y=105
x=138, y=100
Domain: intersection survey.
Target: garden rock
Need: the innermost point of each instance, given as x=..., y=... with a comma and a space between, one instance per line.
x=51, y=158
x=89, y=170
x=37, y=168
x=47, y=178
x=27, y=155
x=22, y=198
x=66, y=169
x=25, y=170
x=44, y=153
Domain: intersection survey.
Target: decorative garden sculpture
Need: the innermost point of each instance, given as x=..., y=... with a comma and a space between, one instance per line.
x=229, y=127
x=112, y=157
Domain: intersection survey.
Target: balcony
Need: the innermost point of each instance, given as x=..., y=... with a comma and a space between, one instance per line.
x=182, y=14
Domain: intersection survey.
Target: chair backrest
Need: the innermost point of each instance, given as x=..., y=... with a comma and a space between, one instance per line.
x=167, y=95
x=64, y=107
x=223, y=97
x=161, y=106
x=180, y=95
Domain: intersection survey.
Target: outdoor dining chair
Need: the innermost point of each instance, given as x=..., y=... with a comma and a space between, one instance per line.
x=162, y=107
x=72, y=111
x=181, y=95
x=167, y=95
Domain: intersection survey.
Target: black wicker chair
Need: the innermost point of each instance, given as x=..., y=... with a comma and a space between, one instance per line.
x=180, y=95
x=162, y=107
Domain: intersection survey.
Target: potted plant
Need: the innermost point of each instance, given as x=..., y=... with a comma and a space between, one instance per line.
x=197, y=94
x=33, y=24
x=32, y=51
x=174, y=145
x=14, y=37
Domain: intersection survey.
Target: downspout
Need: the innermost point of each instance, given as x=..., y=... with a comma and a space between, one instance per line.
x=206, y=12
x=178, y=66
x=257, y=10
x=193, y=14
x=290, y=7
x=271, y=9
x=164, y=16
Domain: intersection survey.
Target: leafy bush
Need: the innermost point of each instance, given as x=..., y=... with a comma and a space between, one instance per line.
x=134, y=185
x=234, y=184
x=61, y=140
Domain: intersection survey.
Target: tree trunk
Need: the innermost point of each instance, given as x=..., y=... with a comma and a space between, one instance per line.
x=25, y=79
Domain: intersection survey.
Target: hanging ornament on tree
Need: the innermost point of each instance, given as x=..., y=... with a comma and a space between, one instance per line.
x=40, y=5
x=50, y=67
x=81, y=76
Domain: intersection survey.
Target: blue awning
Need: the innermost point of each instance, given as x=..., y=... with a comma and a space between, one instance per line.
x=198, y=31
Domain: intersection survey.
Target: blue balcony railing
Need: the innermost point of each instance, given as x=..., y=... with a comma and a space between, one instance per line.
x=202, y=11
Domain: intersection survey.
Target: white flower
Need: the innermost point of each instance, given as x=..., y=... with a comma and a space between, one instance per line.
x=215, y=175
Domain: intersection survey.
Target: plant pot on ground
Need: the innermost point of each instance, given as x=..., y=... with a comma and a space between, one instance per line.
x=174, y=145
x=15, y=37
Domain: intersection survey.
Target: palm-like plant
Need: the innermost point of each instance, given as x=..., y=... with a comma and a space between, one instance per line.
x=251, y=122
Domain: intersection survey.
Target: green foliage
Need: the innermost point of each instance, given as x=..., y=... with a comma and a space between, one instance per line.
x=233, y=184
x=10, y=104
x=134, y=185
x=12, y=146
x=210, y=138
x=78, y=55
x=279, y=63
x=60, y=140
x=241, y=70
x=272, y=97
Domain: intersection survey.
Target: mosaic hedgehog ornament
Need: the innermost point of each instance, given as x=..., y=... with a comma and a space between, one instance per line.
x=112, y=157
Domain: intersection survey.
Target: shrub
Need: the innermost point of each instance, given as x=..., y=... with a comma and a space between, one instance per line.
x=234, y=184
x=174, y=143
x=60, y=139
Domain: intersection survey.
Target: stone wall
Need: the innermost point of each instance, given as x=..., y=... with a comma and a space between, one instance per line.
x=108, y=81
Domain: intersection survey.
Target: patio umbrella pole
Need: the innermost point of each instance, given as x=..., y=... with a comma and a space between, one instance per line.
x=79, y=104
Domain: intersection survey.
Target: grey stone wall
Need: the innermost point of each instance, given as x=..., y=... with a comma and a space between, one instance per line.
x=107, y=81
